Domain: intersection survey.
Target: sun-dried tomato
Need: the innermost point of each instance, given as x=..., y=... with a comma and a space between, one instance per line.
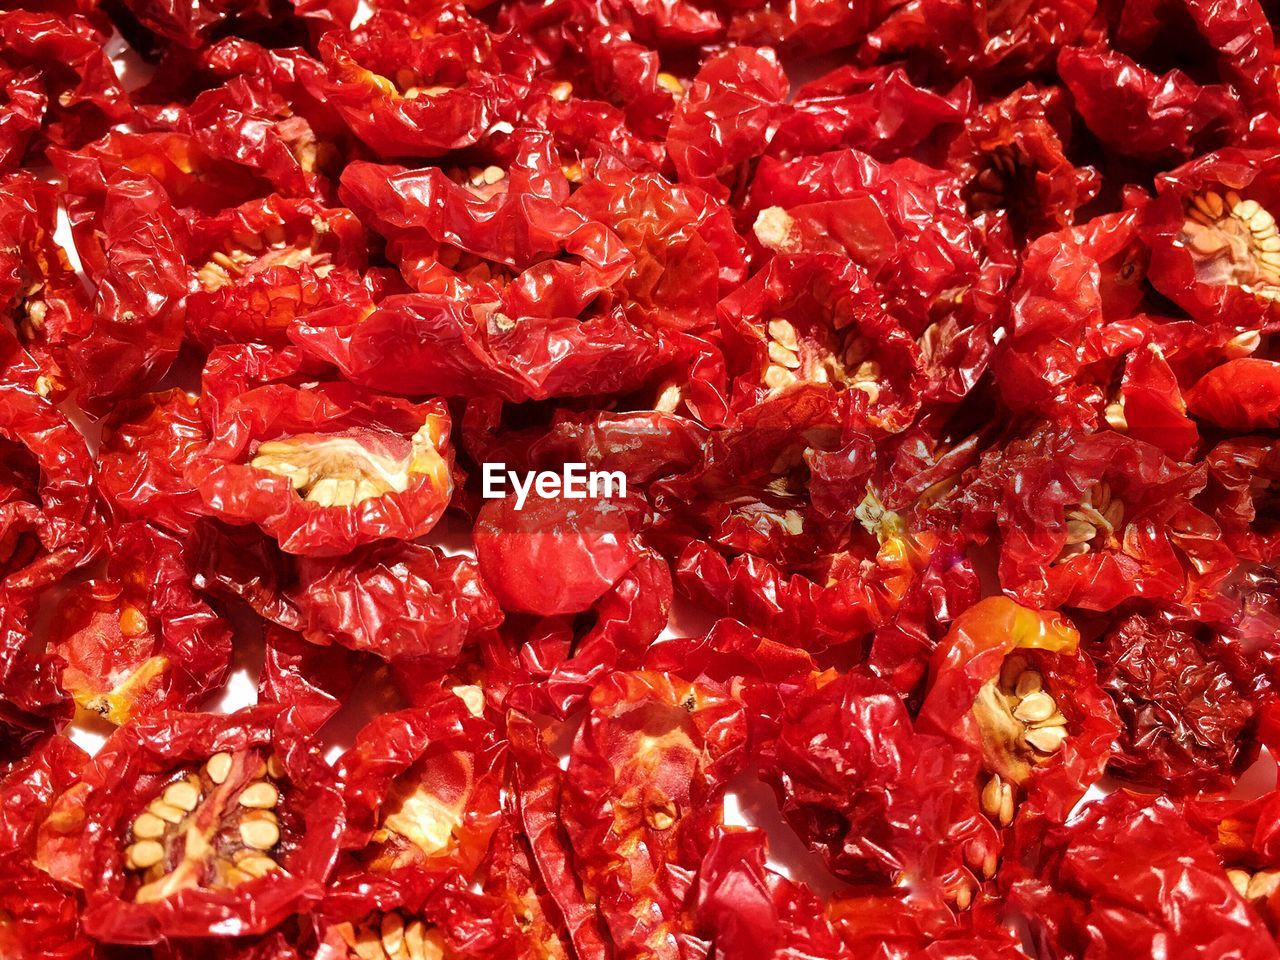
x=919, y=361
x=1101, y=887
x=39, y=919
x=49, y=515
x=395, y=600
x=261, y=265
x=326, y=469
x=415, y=85
x=1186, y=721
x=196, y=825
x=42, y=297
x=422, y=787
x=1011, y=689
x=641, y=798
x=140, y=638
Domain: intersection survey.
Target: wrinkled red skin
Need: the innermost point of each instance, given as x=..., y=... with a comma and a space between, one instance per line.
x=138, y=312
x=902, y=647
x=1150, y=116
x=243, y=563
x=1013, y=157
x=146, y=445
x=40, y=919
x=1242, y=475
x=997, y=42
x=68, y=88
x=726, y=118
x=973, y=653
x=1069, y=319
x=553, y=556
x=1240, y=395
x=42, y=295
x=233, y=370
x=765, y=675
x=686, y=252
x=903, y=926
x=190, y=177
x=901, y=221
x=645, y=446
x=752, y=913
x=509, y=873
x=601, y=63
x=518, y=219
x=395, y=600
x=285, y=943
x=187, y=25
x=1155, y=410
x=294, y=77
x=746, y=495
x=1186, y=722
x=807, y=26
x=1232, y=37
x=82, y=841
x=641, y=798
x=472, y=924
x=590, y=130
x=49, y=513
x=457, y=756
x=443, y=346
x=551, y=329
x=1243, y=835
x=448, y=236
x=1173, y=268
x=238, y=492
x=1038, y=481
x=628, y=620
x=663, y=26
x=24, y=101
x=311, y=682
x=834, y=606
x=263, y=296
x=874, y=109
x=110, y=631
x=1099, y=888
x=538, y=781
x=861, y=787
x=443, y=50
x=32, y=703
x=249, y=121
x=827, y=299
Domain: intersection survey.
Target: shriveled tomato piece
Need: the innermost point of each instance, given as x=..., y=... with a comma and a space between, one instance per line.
x=326, y=469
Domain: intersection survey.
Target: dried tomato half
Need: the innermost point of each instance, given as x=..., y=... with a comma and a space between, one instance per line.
x=422, y=787
x=325, y=469
x=262, y=264
x=554, y=555
x=865, y=790
x=1010, y=687
x=39, y=918
x=49, y=512
x=414, y=85
x=142, y=637
x=1188, y=721
x=395, y=600
x=641, y=798
x=196, y=825
x=1100, y=887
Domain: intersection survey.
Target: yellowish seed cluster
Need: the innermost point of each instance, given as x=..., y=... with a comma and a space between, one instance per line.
x=172, y=852
x=1234, y=242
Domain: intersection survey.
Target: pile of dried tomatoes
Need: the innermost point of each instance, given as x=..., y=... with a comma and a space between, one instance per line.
x=937, y=343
